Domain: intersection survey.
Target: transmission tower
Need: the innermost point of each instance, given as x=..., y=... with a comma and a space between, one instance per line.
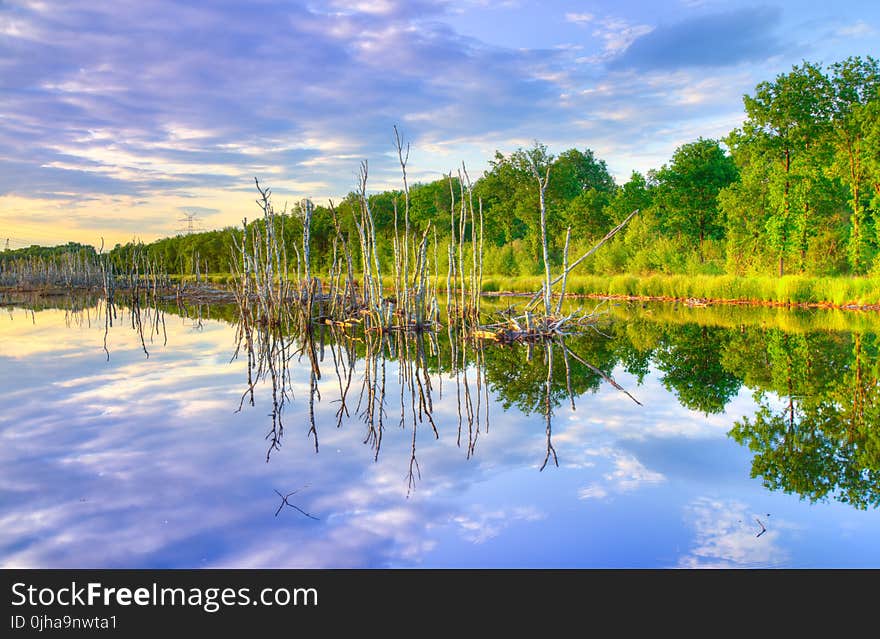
x=189, y=218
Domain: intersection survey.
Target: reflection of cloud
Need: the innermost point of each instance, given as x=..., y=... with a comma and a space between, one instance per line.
x=593, y=491
x=142, y=462
x=481, y=527
x=726, y=537
x=628, y=475
x=579, y=18
x=658, y=418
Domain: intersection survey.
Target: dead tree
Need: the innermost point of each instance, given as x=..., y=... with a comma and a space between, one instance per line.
x=542, y=188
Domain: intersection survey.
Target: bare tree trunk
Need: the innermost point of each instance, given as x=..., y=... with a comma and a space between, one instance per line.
x=564, y=272
x=542, y=187
x=403, y=157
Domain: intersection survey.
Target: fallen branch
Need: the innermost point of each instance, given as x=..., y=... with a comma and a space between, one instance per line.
x=574, y=264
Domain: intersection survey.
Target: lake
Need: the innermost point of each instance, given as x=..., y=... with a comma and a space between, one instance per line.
x=755, y=442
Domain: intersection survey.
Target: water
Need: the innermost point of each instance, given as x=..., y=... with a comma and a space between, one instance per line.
x=143, y=461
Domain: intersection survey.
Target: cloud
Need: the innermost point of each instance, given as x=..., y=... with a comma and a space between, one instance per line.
x=173, y=103
x=618, y=34
x=858, y=29
x=166, y=101
x=713, y=40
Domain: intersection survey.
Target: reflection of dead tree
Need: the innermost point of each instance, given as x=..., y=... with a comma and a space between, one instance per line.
x=413, y=463
x=108, y=322
x=469, y=411
x=285, y=502
x=600, y=373
x=372, y=396
x=268, y=355
x=144, y=312
x=763, y=528
x=314, y=376
x=415, y=393
x=346, y=365
x=275, y=361
x=473, y=433
x=548, y=409
x=548, y=401
x=313, y=392
x=422, y=377
x=567, y=376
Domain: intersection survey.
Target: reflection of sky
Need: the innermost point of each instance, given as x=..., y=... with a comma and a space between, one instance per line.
x=142, y=462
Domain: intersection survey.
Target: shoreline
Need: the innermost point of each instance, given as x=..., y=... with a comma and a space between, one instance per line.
x=209, y=292
x=697, y=302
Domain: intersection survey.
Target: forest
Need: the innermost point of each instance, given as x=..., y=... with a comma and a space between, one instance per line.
x=794, y=191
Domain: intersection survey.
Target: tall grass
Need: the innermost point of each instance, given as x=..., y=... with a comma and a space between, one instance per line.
x=791, y=289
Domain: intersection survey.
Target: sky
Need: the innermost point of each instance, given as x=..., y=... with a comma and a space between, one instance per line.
x=117, y=119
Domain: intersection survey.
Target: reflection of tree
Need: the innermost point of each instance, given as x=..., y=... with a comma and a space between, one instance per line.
x=825, y=444
x=816, y=432
x=690, y=359
x=634, y=345
x=548, y=407
x=519, y=375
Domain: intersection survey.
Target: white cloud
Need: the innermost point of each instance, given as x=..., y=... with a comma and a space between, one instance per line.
x=618, y=33
x=858, y=29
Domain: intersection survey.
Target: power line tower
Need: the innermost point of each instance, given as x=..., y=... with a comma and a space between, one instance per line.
x=7, y=244
x=190, y=218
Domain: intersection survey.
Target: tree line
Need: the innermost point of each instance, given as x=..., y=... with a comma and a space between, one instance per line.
x=48, y=253
x=795, y=189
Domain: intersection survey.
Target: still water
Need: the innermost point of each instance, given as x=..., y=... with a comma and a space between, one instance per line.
x=755, y=442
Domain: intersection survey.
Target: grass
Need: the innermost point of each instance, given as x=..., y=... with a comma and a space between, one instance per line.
x=791, y=289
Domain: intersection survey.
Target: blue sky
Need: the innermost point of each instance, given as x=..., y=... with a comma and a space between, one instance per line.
x=117, y=117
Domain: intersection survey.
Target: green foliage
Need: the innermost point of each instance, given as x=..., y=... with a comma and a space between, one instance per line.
x=687, y=190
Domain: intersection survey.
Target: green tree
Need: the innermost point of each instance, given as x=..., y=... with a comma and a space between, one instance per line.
x=784, y=117
x=854, y=84
x=687, y=190
x=637, y=193
x=745, y=206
